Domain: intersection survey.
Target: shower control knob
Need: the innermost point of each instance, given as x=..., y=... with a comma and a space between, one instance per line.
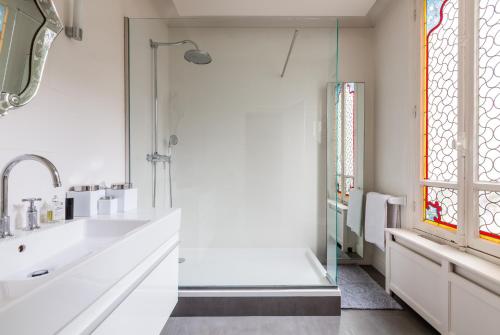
x=157, y=158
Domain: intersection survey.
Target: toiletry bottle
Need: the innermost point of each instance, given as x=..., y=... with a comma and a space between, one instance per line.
x=50, y=213
x=43, y=212
x=58, y=209
x=62, y=209
x=69, y=210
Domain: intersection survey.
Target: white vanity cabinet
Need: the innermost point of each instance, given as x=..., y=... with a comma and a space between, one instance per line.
x=109, y=275
x=148, y=307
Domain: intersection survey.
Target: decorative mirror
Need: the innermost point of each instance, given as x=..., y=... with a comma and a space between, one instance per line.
x=27, y=30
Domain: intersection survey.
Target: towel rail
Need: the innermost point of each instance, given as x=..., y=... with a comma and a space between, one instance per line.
x=398, y=202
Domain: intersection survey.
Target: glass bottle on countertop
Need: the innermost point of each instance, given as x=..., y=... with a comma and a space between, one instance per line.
x=44, y=212
x=58, y=209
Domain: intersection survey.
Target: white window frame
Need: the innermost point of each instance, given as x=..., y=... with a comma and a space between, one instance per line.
x=467, y=185
x=473, y=185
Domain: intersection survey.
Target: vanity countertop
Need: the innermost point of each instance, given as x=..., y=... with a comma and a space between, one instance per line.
x=85, y=258
x=145, y=214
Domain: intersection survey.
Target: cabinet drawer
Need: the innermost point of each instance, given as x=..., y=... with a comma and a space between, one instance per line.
x=148, y=307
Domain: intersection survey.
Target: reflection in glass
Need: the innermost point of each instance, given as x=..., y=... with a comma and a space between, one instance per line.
x=345, y=166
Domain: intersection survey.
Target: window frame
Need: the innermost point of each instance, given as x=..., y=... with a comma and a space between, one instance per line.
x=467, y=233
x=456, y=236
x=473, y=185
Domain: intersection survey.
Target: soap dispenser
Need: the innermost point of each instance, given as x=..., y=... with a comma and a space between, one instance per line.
x=32, y=214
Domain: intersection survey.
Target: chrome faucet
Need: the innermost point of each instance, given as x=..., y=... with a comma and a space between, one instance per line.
x=4, y=209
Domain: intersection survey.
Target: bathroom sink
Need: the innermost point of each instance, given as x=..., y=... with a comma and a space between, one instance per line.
x=44, y=253
x=75, y=263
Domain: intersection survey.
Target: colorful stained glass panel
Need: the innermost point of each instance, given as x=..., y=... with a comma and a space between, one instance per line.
x=433, y=13
x=441, y=207
x=441, y=111
x=489, y=215
x=441, y=115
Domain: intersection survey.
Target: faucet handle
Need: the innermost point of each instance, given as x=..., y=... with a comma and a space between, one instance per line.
x=32, y=201
x=32, y=214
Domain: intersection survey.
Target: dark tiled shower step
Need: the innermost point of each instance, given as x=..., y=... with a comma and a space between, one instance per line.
x=257, y=306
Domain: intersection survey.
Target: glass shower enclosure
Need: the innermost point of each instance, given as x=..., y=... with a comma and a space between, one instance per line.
x=236, y=145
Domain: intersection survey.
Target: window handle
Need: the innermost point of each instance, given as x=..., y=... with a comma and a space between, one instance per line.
x=460, y=144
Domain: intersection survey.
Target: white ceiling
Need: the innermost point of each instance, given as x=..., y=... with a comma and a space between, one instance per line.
x=273, y=7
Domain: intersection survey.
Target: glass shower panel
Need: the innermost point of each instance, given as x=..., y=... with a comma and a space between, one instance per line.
x=141, y=118
x=333, y=161
x=249, y=155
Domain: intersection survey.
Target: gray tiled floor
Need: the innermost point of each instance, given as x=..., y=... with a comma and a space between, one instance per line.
x=350, y=323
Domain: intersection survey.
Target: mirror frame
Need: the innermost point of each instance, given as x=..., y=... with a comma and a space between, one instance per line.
x=39, y=52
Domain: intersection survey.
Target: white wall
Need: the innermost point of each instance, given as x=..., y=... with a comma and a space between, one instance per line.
x=249, y=170
x=395, y=78
x=357, y=65
x=77, y=119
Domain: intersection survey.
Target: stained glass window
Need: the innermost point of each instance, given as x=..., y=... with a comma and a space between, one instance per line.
x=346, y=139
x=488, y=118
x=460, y=179
x=440, y=163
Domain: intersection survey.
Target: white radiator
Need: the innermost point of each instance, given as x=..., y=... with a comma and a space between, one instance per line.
x=456, y=292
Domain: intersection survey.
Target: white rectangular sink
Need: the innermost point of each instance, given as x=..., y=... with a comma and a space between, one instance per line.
x=84, y=259
x=55, y=249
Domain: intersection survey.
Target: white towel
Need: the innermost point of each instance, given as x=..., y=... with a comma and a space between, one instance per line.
x=355, y=212
x=376, y=218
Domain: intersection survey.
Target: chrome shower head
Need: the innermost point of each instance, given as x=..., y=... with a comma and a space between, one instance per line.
x=197, y=56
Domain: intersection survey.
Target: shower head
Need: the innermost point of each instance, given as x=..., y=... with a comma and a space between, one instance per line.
x=173, y=140
x=197, y=56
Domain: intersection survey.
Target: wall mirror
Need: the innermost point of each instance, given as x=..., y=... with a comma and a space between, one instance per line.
x=345, y=148
x=27, y=30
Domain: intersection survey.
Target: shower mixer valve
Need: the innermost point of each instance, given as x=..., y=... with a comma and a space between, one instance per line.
x=157, y=158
